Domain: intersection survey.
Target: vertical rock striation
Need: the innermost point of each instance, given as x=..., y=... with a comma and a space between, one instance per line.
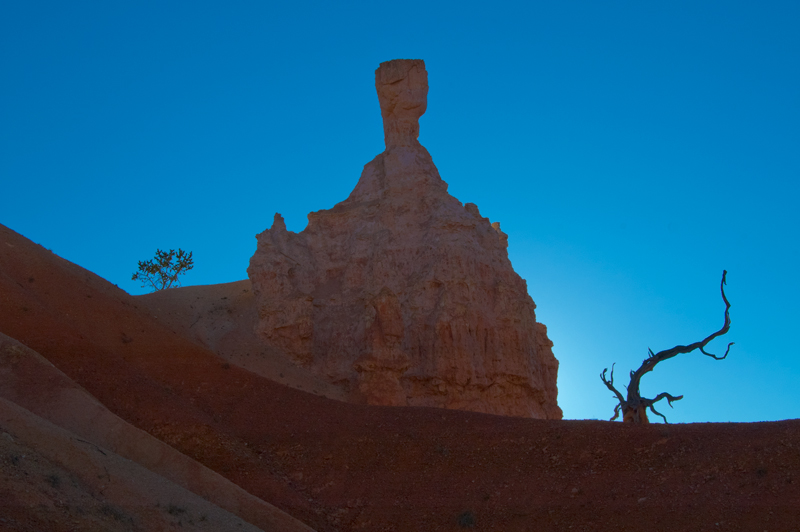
x=400, y=292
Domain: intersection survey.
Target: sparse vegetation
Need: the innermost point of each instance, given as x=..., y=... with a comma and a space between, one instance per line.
x=115, y=513
x=175, y=510
x=634, y=407
x=53, y=480
x=163, y=270
x=466, y=520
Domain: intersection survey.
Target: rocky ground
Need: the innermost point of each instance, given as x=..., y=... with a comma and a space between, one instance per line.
x=312, y=460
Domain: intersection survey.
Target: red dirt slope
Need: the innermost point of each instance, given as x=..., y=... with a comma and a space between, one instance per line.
x=339, y=466
x=55, y=481
x=30, y=382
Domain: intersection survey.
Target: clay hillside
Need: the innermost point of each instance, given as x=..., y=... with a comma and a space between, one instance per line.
x=383, y=370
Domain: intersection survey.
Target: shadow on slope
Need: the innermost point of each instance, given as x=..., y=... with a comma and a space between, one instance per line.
x=222, y=318
x=56, y=481
x=39, y=390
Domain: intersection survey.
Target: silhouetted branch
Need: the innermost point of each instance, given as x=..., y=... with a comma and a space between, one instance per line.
x=610, y=383
x=663, y=395
x=634, y=407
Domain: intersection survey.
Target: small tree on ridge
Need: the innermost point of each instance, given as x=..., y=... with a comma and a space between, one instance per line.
x=162, y=271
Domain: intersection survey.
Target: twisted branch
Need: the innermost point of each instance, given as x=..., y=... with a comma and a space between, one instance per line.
x=610, y=383
x=635, y=403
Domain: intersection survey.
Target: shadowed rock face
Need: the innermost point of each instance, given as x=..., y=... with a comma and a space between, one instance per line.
x=400, y=292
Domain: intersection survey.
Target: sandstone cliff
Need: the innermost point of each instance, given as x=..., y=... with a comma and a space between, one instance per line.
x=401, y=293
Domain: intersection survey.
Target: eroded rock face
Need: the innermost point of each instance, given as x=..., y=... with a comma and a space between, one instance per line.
x=401, y=292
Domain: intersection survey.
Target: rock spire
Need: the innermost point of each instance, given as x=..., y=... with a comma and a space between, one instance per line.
x=402, y=87
x=401, y=293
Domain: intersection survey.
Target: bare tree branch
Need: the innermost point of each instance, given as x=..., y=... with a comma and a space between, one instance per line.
x=656, y=412
x=715, y=357
x=664, y=395
x=634, y=407
x=610, y=383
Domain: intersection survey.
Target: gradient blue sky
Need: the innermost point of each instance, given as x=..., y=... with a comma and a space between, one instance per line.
x=631, y=150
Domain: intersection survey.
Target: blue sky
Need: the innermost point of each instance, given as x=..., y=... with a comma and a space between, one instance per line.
x=632, y=151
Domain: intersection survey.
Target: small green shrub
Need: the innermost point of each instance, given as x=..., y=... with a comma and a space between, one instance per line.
x=163, y=270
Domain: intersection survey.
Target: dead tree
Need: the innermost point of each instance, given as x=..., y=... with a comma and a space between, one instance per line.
x=634, y=407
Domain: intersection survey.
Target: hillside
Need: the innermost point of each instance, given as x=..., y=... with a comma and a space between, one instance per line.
x=339, y=466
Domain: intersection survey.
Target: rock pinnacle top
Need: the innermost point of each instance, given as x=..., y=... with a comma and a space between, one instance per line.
x=402, y=86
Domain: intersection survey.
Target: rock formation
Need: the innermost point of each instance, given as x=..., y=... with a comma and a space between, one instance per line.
x=400, y=292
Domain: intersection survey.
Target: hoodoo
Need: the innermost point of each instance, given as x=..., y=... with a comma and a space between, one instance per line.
x=401, y=293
